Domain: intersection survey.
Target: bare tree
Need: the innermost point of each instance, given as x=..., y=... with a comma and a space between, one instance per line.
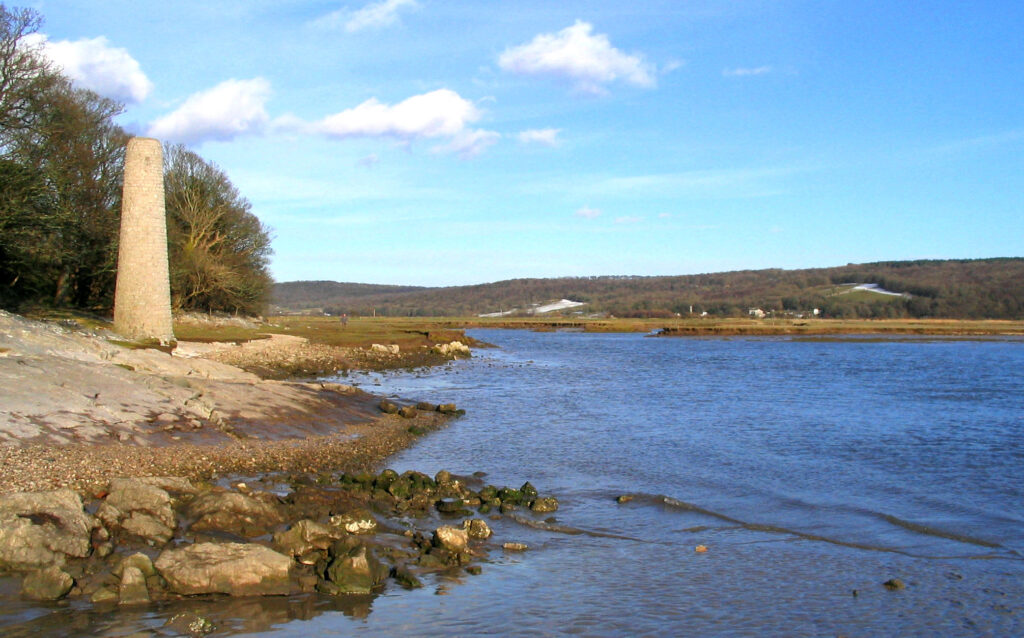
x=218, y=248
x=24, y=71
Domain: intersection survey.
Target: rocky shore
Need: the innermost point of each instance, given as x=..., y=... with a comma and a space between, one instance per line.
x=153, y=539
x=116, y=460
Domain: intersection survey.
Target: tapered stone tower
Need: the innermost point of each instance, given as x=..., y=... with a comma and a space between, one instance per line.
x=142, y=297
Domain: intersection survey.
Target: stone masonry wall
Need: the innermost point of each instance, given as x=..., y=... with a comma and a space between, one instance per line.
x=142, y=297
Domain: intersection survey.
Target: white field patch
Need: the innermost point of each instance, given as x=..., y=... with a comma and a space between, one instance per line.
x=878, y=289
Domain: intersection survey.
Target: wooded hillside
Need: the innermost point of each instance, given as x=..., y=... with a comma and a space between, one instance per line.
x=979, y=288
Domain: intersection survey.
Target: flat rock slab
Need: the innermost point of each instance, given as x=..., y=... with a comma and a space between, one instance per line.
x=237, y=569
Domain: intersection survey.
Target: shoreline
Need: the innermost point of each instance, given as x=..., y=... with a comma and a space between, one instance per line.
x=79, y=409
x=89, y=468
x=709, y=327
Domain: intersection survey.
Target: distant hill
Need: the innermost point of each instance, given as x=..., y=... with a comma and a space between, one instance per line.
x=975, y=288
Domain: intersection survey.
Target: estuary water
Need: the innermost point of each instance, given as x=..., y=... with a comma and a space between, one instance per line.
x=812, y=470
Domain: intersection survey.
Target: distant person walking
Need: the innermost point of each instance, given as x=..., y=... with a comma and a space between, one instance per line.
x=344, y=320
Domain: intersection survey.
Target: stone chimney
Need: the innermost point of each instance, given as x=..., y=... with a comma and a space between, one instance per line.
x=142, y=297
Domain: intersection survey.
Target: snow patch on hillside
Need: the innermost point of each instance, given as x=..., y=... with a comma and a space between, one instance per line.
x=536, y=309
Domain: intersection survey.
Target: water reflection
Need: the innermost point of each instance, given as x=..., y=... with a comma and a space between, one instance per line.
x=219, y=615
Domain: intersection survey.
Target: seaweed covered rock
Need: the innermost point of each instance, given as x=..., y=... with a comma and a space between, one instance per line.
x=237, y=569
x=38, y=529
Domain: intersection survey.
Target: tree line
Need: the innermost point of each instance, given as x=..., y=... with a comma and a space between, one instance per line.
x=965, y=289
x=61, y=175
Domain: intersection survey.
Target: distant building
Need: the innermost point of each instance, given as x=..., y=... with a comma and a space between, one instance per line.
x=757, y=313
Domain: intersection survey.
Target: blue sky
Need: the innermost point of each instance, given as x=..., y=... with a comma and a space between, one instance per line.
x=444, y=143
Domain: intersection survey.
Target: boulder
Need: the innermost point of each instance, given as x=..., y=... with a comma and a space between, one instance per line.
x=477, y=528
x=246, y=515
x=453, y=350
x=378, y=348
x=407, y=412
x=354, y=569
x=544, y=504
x=139, y=508
x=450, y=538
x=38, y=529
x=237, y=569
x=306, y=536
x=132, y=590
x=50, y=583
x=137, y=561
x=387, y=407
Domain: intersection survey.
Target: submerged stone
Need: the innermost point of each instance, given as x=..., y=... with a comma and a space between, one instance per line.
x=545, y=504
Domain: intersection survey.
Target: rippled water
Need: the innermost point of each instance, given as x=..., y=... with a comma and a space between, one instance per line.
x=809, y=468
x=813, y=471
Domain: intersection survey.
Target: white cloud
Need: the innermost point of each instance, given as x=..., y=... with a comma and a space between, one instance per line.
x=375, y=15
x=230, y=109
x=587, y=60
x=588, y=213
x=369, y=160
x=742, y=72
x=545, y=136
x=664, y=215
x=628, y=219
x=96, y=65
x=438, y=114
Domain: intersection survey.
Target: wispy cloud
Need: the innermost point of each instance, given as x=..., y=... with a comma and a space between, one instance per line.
x=375, y=15
x=575, y=54
x=369, y=161
x=588, y=213
x=738, y=183
x=228, y=110
x=746, y=71
x=469, y=143
x=628, y=219
x=96, y=65
x=545, y=136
